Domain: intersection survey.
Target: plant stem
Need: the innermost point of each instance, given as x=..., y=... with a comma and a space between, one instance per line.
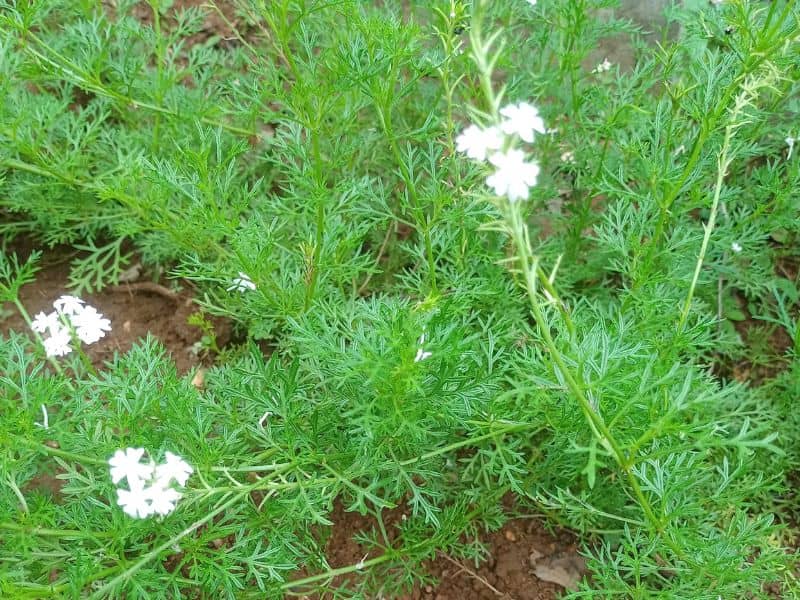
x=78, y=458
x=130, y=571
x=319, y=179
x=423, y=224
x=708, y=228
x=65, y=533
x=576, y=387
x=85, y=81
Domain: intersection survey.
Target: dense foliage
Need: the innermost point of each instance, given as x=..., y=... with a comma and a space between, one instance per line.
x=432, y=345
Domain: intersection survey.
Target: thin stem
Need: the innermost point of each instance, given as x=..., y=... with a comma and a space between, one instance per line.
x=319, y=179
x=385, y=115
x=331, y=573
x=82, y=79
x=130, y=571
x=722, y=168
x=48, y=532
x=72, y=456
x=596, y=422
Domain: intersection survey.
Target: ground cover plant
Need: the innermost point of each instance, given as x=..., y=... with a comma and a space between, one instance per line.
x=472, y=270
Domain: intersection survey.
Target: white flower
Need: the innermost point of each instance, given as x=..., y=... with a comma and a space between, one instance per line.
x=532, y=2
x=421, y=354
x=136, y=501
x=736, y=247
x=58, y=344
x=603, y=67
x=68, y=305
x=522, y=119
x=174, y=468
x=163, y=499
x=790, y=142
x=513, y=176
x=150, y=485
x=476, y=141
x=42, y=322
x=127, y=464
x=90, y=325
x=568, y=157
x=242, y=283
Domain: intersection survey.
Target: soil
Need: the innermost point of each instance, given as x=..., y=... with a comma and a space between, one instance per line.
x=135, y=309
x=520, y=549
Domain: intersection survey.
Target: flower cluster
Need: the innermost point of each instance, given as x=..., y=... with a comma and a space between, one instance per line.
x=242, y=283
x=70, y=313
x=513, y=175
x=150, y=490
x=603, y=66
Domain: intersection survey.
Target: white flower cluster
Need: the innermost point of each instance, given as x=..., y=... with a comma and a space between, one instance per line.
x=150, y=490
x=70, y=312
x=242, y=283
x=513, y=175
x=603, y=66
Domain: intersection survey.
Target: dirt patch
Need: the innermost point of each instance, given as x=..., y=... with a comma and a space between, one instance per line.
x=217, y=19
x=135, y=309
x=517, y=552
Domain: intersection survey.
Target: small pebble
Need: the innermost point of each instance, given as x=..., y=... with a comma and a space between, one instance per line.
x=510, y=536
x=199, y=379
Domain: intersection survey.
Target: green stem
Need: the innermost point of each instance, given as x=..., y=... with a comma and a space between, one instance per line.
x=594, y=419
x=84, y=80
x=319, y=179
x=48, y=532
x=331, y=573
x=103, y=592
x=722, y=168
x=78, y=458
x=423, y=224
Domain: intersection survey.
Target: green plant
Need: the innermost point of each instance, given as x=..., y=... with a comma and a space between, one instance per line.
x=555, y=320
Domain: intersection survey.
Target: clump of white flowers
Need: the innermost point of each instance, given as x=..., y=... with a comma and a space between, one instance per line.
x=514, y=175
x=242, y=283
x=150, y=485
x=603, y=67
x=70, y=313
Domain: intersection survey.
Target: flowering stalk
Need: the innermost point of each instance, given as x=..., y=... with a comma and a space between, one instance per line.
x=745, y=98
x=515, y=226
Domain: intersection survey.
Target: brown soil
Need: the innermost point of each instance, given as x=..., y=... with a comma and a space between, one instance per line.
x=516, y=553
x=135, y=309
